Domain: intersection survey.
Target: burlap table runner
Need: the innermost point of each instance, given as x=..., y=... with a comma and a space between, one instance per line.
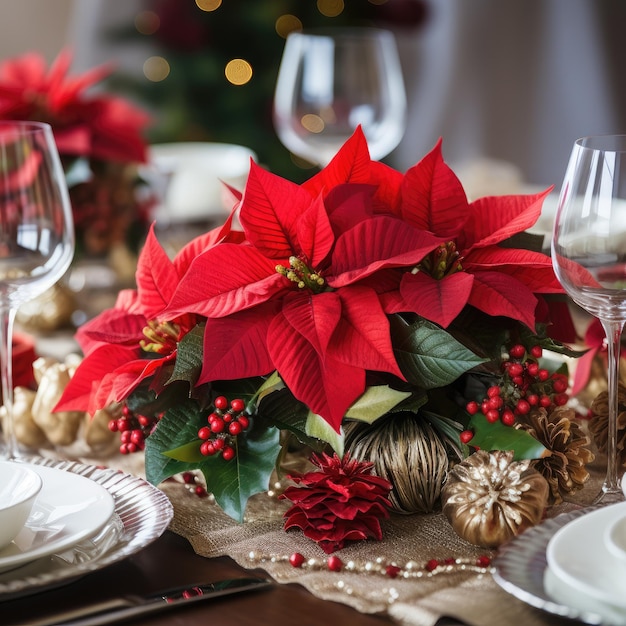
x=472, y=597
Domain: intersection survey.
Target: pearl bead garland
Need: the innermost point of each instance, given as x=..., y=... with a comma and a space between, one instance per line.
x=379, y=566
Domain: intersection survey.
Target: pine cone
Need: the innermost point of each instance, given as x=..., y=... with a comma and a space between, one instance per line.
x=340, y=502
x=565, y=468
x=599, y=423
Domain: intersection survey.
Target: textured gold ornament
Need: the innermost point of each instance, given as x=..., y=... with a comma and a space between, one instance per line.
x=488, y=498
x=407, y=451
x=565, y=468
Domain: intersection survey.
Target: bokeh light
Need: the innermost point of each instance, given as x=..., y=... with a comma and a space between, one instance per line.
x=156, y=69
x=147, y=22
x=238, y=71
x=330, y=8
x=313, y=123
x=209, y=5
x=286, y=24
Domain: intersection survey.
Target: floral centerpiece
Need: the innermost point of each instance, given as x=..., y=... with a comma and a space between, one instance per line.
x=363, y=295
x=100, y=141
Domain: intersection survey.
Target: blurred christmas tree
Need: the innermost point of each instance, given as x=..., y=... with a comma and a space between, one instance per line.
x=188, y=83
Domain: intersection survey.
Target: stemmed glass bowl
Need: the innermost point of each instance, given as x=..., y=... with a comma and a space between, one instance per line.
x=589, y=258
x=329, y=82
x=36, y=235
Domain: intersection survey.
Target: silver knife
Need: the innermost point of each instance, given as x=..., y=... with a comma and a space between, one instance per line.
x=131, y=606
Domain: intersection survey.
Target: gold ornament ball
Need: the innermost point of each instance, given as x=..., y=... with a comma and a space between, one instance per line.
x=488, y=498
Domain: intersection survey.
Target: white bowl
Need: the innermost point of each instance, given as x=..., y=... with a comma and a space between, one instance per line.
x=19, y=487
x=615, y=542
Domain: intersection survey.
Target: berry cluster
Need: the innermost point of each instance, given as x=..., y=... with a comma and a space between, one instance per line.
x=224, y=424
x=524, y=385
x=133, y=429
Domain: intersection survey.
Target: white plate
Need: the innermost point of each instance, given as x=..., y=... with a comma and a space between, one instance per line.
x=69, y=509
x=142, y=514
x=579, y=557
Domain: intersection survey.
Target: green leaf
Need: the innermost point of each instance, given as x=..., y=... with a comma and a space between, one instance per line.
x=189, y=357
x=497, y=436
x=178, y=426
x=318, y=427
x=375, y=402
x=428, y=356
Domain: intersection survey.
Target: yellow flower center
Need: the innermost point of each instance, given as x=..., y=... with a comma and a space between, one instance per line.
x=161, y=337
x=305, y=278
x=442, y=261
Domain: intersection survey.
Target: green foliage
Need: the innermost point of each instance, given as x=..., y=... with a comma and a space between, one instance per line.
x=428, y=356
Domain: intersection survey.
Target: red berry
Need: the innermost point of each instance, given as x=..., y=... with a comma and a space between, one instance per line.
x=536, y=351
x=204, y=433
x=495, y=402
x=492, y=415
x=516, y=369
x=212, y=417
x=244, y=421
x=126, y=412
x=472, y=407
x=188, y=478
x=532, y=399
x=334, y=563
x=517, y=380
x=392, y=571
x=217, y=425
x=432, y=565
x=296, y=559
x=237, y=405
x=113, y=426
x=207, y=448
x=543, y=375
x=221, y=403
x=125, y=436
x=228, y=453
x=136, y=437
x=466, y=436
x=517, y=351
x=522, y=407
x=123, y=424
x=234, y=428
x=200, y=491
x=218, y=443
x=228, y=418
x=545, y=401
x=508, y=418
x=532, y=369
x=561, y=399
x=144, y=420
x=493, y=391
x=483, y=561
x=560, y=385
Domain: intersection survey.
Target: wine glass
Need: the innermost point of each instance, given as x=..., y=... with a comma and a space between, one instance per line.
x=329, y=82
x=589, y=258
x=36, y=235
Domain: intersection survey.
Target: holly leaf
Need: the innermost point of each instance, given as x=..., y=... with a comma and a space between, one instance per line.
x=318, y=427
x=497, y=436
x=174, y=447
x=428, y=356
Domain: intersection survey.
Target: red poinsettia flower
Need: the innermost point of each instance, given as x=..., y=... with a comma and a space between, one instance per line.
x=117, y=342
x=469, y=267
x=340, y=502
x=98, y=126
x=269, y=298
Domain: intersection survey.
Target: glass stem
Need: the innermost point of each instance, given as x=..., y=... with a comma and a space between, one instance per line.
x=613, y=330
x=7, y=317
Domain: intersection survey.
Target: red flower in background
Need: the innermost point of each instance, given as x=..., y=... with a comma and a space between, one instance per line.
x=99, y=126
x=342, y=501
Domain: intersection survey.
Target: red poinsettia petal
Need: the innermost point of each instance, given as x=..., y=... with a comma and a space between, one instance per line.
x=433, y=198
x=439, y=301
x=270, y=211
x=113, y=326
x=327, y=386
x=583, y=371
x=351, y=164
x=314, y=317
x=156, y=276
x=236, y=346
x=77, y=396
x=497, y=294
x=495, y=218
x=362, y=338
x=315, y=235
x=534, y=269
x=390, y=243
x=225, y=279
